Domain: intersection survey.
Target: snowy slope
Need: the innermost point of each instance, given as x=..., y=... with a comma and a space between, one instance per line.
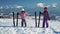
x=6, y=27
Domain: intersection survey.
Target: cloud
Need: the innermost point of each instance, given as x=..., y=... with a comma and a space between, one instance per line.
x=19, y=6
x=54, y=5
x=7, y=7
x=1, y=7
x=40, y=4
x=48, y=6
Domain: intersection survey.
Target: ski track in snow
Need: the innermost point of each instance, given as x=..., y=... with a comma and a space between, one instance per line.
x=6, y=27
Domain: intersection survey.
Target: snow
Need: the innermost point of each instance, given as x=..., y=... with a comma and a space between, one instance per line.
x=6, y=27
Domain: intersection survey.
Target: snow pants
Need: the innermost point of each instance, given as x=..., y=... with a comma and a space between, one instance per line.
x=45, y=23
x=23, y=22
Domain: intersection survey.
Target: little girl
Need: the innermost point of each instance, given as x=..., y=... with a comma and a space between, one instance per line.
x=23, y=15
x=46, y=17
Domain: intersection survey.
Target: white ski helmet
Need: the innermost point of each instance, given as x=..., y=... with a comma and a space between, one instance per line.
x=23, y=10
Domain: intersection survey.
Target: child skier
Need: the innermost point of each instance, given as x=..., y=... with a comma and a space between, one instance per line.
x=23, y=15
x=46, y=17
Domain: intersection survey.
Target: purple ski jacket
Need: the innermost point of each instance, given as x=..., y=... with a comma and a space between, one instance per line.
x=46, y=15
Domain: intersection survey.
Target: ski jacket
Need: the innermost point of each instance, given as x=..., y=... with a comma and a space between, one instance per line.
x=23, y=16
x=46, y=15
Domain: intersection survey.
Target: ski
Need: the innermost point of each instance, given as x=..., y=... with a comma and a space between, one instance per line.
x=13, y=19
x=17, y=19
x=35, y=20
x=39, y=19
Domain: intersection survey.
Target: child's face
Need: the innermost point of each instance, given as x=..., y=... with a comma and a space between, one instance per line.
x=45, y=9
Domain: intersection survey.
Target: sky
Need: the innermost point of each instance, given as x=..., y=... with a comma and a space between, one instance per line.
x=28, y=3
